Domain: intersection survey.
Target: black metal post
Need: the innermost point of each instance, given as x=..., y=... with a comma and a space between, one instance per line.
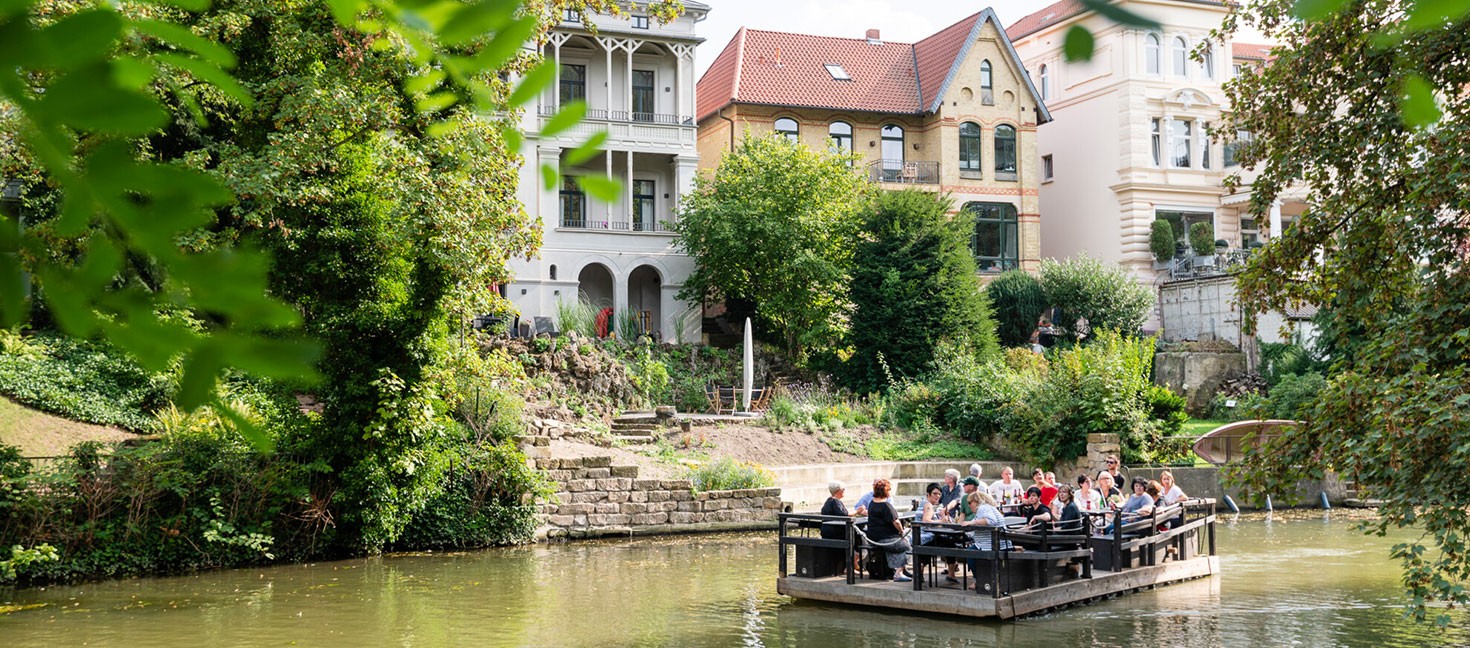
x=781, y=542
x=914, y=547
x=851, y=552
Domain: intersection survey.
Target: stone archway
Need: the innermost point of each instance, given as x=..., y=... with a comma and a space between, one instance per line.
x=645, y=299
x=595, y=286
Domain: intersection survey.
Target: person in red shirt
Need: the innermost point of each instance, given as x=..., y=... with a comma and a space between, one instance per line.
x=1048, y=486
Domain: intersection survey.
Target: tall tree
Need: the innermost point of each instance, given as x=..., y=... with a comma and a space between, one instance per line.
x=775, y=226
x=1364, y=106
x=914, y=290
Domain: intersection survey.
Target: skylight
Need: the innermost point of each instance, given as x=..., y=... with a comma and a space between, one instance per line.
x=837, y=72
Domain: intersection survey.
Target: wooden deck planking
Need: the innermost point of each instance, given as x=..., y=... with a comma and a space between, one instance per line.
x=955, y=601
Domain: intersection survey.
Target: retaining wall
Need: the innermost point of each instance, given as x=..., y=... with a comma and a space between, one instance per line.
x=595, y=498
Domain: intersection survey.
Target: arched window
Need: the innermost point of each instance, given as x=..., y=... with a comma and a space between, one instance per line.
x=1151, y=53
x=970, y=147
x=1207, y=62
x=1005, y=152
x=892, y=136
x=553, y=272
x=987, y=84
x=1045, y=84
x=787, y=126
x=1180, y=55
x=996, y=242
x=841, y=134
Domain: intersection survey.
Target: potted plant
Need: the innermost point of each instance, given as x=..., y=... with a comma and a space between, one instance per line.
x=1202, y=240
x=1161, y=243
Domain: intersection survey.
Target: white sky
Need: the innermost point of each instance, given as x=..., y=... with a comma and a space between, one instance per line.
x=903, y=21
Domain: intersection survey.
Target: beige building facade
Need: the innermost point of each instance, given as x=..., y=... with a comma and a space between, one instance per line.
x=1134, y=137
x=954, y=113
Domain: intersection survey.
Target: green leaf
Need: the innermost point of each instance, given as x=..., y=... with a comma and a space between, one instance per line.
x=79, y=39
x=1120, y=15
x=1313, y=10
x=152, y=342
x=12, y=276
x=601, y=187
x=538, y=79
x=345, y=11
x=68, y=303
x=182, y=37
x=73, y=100
x=476, y=20
x=1436, y=13
x=1417, y=105
x=254, y=434
x=1079, y=44
x=436, y=102
x=207, y=72
x=270, y=357
x=586, y=150
x=419, y=84
x=505, y=44
x=570, y=115
x=549, y=176
x=443, y=128
x=201, y=371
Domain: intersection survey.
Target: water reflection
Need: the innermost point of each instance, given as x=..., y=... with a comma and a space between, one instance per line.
x=1302, y=581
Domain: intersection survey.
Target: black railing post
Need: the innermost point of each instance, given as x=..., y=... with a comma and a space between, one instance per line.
x=914, y=547
x=851, y=557
x=781, y=536
x=1117, y=541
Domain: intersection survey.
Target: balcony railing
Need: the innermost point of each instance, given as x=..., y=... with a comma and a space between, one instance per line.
x=598, y=114
x=615, y=225
x=904, y=172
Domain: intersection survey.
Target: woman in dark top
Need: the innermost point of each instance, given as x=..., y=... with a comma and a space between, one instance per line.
x=1069, y=519
x=885, y=532
x=835, y=507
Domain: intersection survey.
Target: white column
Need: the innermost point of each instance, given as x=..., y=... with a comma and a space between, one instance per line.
x=1275, y=218
x=628, y=80
x=628, y=191
x=549, y=209
x=685, y=167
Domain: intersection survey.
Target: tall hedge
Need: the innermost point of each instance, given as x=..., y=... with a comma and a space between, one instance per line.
x=1018, y=301
x=913, y=288
x=1161, y=240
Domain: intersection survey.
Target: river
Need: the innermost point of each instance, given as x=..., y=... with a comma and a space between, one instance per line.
x=1310, y=581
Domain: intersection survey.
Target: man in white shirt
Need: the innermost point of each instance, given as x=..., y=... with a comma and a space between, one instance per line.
x=1007, y=490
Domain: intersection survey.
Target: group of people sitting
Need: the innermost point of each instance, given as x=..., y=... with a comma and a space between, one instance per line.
x=969, y=502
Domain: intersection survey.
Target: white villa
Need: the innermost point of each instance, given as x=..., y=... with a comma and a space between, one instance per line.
x=637, y=77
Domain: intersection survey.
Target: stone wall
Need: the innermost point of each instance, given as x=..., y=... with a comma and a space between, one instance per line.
x=1197, y=375
x=595, y=498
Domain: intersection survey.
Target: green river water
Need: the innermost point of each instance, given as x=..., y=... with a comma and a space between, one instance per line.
x=1310, y=581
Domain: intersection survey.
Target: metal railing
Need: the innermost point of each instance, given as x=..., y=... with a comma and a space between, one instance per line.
x=904, y=172
x=616, y=225
x=600, y=114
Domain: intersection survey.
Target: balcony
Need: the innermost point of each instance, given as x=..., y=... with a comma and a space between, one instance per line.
x=904, y=172
x=614, y=225
x=660, y=131
x=598, y=114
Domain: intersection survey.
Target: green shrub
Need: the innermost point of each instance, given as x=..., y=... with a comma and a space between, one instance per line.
x=489, y=499
x=973, y=395
x=1293, y=395
x=730, y=474
x=1202, y=238
x=577, y=315
x=1283, y=359
x=1106, y=295
x=84, y=381
x=1247, y=407
x=913, y=288
x=1161, y=240
x=1018, y=302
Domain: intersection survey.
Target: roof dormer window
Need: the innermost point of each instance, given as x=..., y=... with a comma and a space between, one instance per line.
x=837, y=72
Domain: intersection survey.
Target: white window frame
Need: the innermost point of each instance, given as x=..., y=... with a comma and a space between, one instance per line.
x=1153, y=48
x=1179, y=56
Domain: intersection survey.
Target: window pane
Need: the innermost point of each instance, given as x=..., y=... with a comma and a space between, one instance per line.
x=787, y=126
x=573, y=203
x=892, y=147
x=644, y=213
x=1045, y=84
x=1180, y=134
x=996, y=241
x=1180, y=56
x=573, y=84
x=643, y=94
x=841, y=134
x=1158, y=146
x=1151, y=54
x=969, y=146
x=1005, y=149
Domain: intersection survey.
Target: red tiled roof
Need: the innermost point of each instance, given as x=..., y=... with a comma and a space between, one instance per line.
x=778, y=68
x=784, y=69
x=935, y=55
x=1251, y=51
x=1051, y=15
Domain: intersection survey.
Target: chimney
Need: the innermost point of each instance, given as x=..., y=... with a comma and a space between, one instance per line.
x=873, y=38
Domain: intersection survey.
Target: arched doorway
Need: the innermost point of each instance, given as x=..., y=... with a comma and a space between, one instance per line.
x=595, y=286
x=645, y=299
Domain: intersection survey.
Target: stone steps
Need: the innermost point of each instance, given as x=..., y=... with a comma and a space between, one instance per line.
x=633, y=439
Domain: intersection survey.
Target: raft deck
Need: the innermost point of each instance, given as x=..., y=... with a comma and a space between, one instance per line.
x=947, y=600
x=1175, y=544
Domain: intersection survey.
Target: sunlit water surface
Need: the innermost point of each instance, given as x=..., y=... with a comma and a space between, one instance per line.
x=1311, y=582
